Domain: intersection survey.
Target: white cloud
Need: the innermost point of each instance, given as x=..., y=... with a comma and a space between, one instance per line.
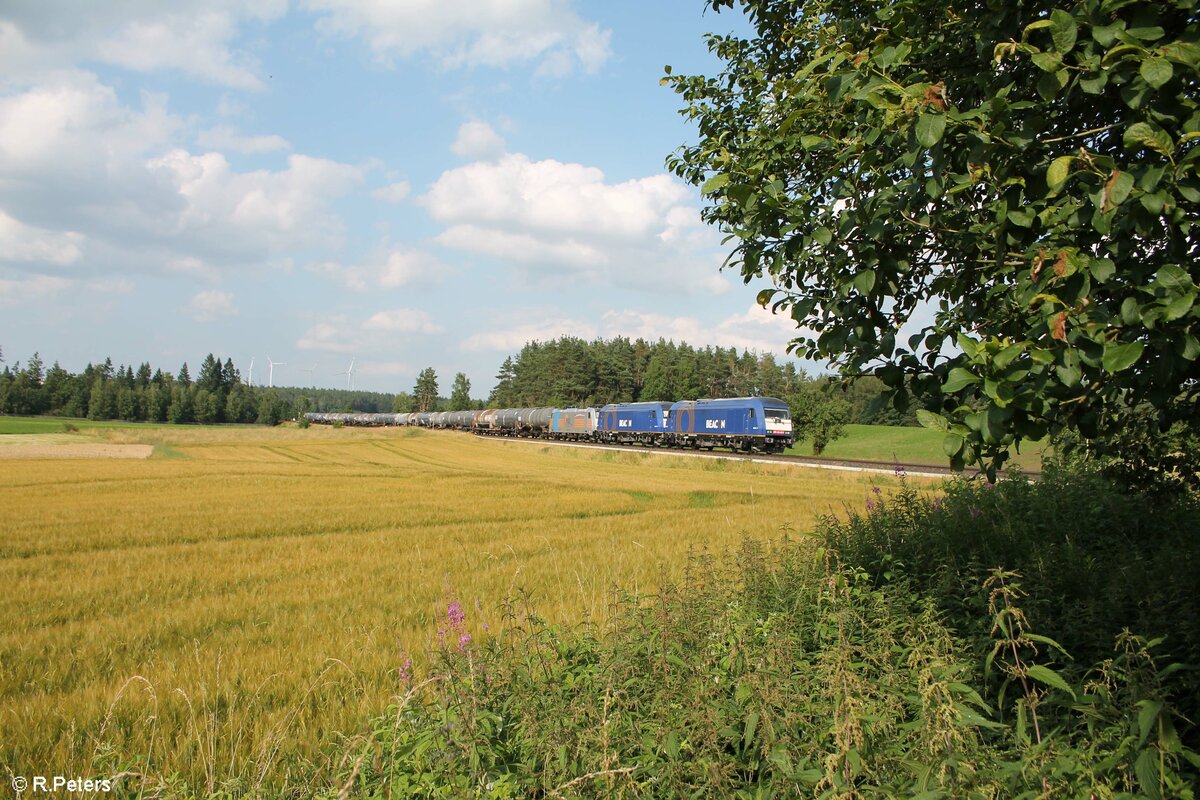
x=755, y=329
x=392, y=270
x=393, y=192
x=223, y=137
x=470, y=33
x=511, y=339
x=281, y=209
x=83, y=167
x=565, y=220
x=193, y=36
x=379, y=332
x=23, y=243
x=211, y=305
x=22, y=291
x=401, y=320
x=478, y=140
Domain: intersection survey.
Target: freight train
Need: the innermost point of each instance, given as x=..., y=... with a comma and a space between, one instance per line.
x=742, y=424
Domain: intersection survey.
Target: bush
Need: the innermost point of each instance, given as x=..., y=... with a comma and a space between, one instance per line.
x=777, y=673
x=1095, y=561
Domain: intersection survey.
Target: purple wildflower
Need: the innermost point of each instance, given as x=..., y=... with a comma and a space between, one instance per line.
x=875, y=489
x=464, y=641
x=454, y=612
x=406, y=671
x=871, y=505
x=900, y=473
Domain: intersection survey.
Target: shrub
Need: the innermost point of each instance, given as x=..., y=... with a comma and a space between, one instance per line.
x=777, y=673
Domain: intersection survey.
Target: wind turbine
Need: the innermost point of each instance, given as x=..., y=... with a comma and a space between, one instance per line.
x=250, y=378
x=271, y=370
x=349, y=375
x=309, y=371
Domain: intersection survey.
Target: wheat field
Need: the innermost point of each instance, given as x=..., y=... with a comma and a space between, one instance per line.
x=230, y=611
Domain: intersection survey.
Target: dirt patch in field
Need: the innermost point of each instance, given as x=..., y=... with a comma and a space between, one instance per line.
x=76, y=451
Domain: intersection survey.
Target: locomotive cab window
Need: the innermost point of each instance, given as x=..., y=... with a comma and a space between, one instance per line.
x=776, y=415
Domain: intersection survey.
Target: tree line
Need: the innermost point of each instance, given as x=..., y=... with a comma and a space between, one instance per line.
x=143, y=394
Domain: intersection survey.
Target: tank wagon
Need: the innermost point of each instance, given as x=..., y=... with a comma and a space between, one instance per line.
x=742, y=424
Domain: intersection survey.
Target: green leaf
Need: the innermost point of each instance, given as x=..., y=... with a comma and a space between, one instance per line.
x=1156, y=71
x=930, y=128
x=1047, y=62
x=1048, y=677
x=1146, y=768
x=1178, y=307
x=1143, y=135
x=823, y=235
x=1102, y=269
x=1121, y=356
x=959, y=379
x=928, y=419
x=952, y=444
x=1058, y=172
x=1147, y=716
x=714, y=183
x=1063, y=30
x=864, y=281
x=1173, y=279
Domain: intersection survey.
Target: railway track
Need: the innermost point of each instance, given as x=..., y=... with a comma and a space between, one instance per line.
x=812, y=462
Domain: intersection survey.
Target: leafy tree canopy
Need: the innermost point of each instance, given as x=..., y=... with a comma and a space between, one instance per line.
x=1015, y=180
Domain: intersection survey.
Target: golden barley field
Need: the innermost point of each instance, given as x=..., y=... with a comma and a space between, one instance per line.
x=229, y=611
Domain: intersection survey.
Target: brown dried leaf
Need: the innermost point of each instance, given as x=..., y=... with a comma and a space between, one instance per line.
x=1038, y=260
x=1060, y=263
x=1058, y=327
x=935, y=96
x=1107, y=205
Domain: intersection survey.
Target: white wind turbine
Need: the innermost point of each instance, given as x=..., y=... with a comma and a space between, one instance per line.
x=250, y=377
x=349, y=375
x=271, y=365
x=310, y=371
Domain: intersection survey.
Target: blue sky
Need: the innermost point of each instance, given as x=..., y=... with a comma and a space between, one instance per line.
x=405, y=183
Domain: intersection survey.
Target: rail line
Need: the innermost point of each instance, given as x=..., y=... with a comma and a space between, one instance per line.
x=811, y=462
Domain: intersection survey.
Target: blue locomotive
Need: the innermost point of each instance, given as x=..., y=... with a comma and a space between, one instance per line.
x=742, y=424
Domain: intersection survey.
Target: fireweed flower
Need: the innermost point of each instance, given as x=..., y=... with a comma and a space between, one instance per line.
x=875, y=489
x=406, y=671
x=871, y=506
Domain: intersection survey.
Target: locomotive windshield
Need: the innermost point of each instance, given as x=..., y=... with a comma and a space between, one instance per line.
x=776, y=414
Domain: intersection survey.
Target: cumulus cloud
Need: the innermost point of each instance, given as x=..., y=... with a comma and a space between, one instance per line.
x=24, y=243
x=282, y=208
x=223, y=137
x=211, y=305
x=338, y=333
x=22, y=291
x=566, y=219
x=83, y=167
x=470, y=33
x=401, y=320
x=393, y=192
x=755, y=329
x=391, y=270
x=192, y=36
x=511, y=339
x=478, y=140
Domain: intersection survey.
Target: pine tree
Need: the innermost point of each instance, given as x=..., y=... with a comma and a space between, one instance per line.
x=426, y=390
